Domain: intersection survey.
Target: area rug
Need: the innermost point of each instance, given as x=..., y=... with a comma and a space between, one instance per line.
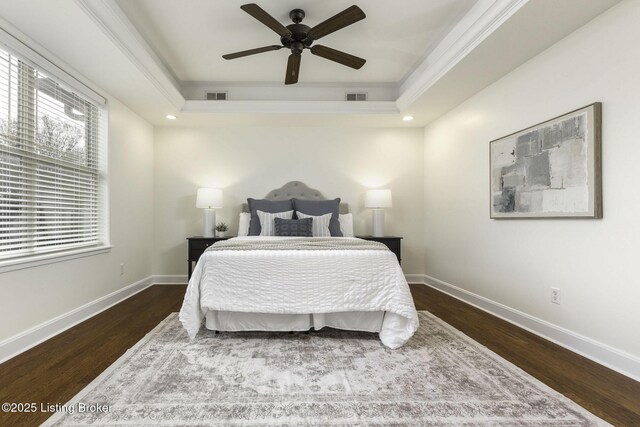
x=440, y=377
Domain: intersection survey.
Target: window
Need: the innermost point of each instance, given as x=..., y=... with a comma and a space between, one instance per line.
x=51, y=180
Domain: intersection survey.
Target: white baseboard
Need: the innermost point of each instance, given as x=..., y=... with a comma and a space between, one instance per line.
x=415, y=278
x=613, y=358
x=172, y=279
x=23, y=341
x=30, y=338
x=603, y=354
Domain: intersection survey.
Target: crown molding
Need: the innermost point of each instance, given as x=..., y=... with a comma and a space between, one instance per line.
x=279, y=84
x=482, y=20
x=115, y=25
x=291, y=107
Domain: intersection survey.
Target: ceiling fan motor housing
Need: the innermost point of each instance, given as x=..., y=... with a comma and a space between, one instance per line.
x=299, y=38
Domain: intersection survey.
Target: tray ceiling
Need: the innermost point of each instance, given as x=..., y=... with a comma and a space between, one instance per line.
x=159, y=57
x=191, y=37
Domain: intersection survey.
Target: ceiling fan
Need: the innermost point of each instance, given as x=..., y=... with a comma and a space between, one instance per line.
x=298, y=37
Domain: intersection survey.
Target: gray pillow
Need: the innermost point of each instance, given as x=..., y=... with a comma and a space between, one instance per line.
x=294, y=227
x=264, y=205
x=321, y=207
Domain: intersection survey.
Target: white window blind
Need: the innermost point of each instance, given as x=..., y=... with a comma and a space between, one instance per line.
x=50, y=176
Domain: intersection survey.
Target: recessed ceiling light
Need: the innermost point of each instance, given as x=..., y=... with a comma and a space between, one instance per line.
x=171, y=117
x=407, y=118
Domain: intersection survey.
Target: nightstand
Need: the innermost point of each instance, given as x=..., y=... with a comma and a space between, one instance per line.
x=197, y=245
x=392, y=242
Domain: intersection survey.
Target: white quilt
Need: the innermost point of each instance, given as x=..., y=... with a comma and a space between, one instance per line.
x=302, y=281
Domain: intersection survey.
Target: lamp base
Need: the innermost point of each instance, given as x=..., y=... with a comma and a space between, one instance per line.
x=208, y=222
x=378, y=223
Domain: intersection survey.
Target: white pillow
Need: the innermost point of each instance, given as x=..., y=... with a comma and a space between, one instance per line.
x=346, y=224
x=243, y=224
x=320, y=225
x=267, y=221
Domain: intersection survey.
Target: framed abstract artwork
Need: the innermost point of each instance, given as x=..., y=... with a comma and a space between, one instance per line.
x=550, y=170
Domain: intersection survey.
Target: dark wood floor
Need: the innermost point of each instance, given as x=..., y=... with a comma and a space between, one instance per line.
x=605, y=393
x=54, y=371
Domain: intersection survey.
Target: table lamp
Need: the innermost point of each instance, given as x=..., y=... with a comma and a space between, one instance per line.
x=209, y=199
x=378, y=200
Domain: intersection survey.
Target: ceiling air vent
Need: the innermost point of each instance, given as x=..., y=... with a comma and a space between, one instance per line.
x=356, y=96
x=217, y=96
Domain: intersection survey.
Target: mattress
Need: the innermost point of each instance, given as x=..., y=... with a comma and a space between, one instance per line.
x=300, y=282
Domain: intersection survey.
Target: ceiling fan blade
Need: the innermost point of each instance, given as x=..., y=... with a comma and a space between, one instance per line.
x=293, y=68
x=338, y=56
x=251, y=51
x=268, y=20
x=343, y=19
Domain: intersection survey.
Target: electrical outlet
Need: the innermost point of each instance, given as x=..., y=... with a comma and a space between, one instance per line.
x=122, y=269
x=555, y=295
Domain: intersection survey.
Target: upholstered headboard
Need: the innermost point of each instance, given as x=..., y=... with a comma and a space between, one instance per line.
x=297, y=190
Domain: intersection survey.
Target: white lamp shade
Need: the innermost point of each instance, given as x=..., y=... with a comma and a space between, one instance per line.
x=378, y=199
x=209, y=198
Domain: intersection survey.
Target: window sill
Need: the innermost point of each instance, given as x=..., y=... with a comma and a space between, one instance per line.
x=37, y=260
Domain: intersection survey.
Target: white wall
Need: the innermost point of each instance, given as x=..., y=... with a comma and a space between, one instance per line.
x=251, y=161
x=35, y=295
x=593, y=262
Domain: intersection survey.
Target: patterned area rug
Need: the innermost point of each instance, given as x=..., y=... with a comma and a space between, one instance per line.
x=440, y=377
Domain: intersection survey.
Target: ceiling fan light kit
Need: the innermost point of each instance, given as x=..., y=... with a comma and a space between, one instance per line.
x=297, y=37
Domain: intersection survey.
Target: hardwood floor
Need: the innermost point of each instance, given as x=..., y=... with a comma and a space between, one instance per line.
x=606, y=393
x=54, y=371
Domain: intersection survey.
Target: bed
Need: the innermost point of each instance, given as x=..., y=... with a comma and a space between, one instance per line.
x=267, y=283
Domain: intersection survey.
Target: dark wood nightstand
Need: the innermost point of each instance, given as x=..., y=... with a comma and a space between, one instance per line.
x=392, y=242
x=197, y=245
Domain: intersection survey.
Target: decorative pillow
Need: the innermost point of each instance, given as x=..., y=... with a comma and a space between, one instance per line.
x=320, y=224
x=321, y=207
x=243, y=224
x=265, y=206
x=294, y=227
x=346, y=224
x=267, y=227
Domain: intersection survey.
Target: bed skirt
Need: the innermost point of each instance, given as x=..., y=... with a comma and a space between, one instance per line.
x=369, y=321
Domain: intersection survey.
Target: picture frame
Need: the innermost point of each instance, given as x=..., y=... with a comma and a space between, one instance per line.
x=549, y=170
